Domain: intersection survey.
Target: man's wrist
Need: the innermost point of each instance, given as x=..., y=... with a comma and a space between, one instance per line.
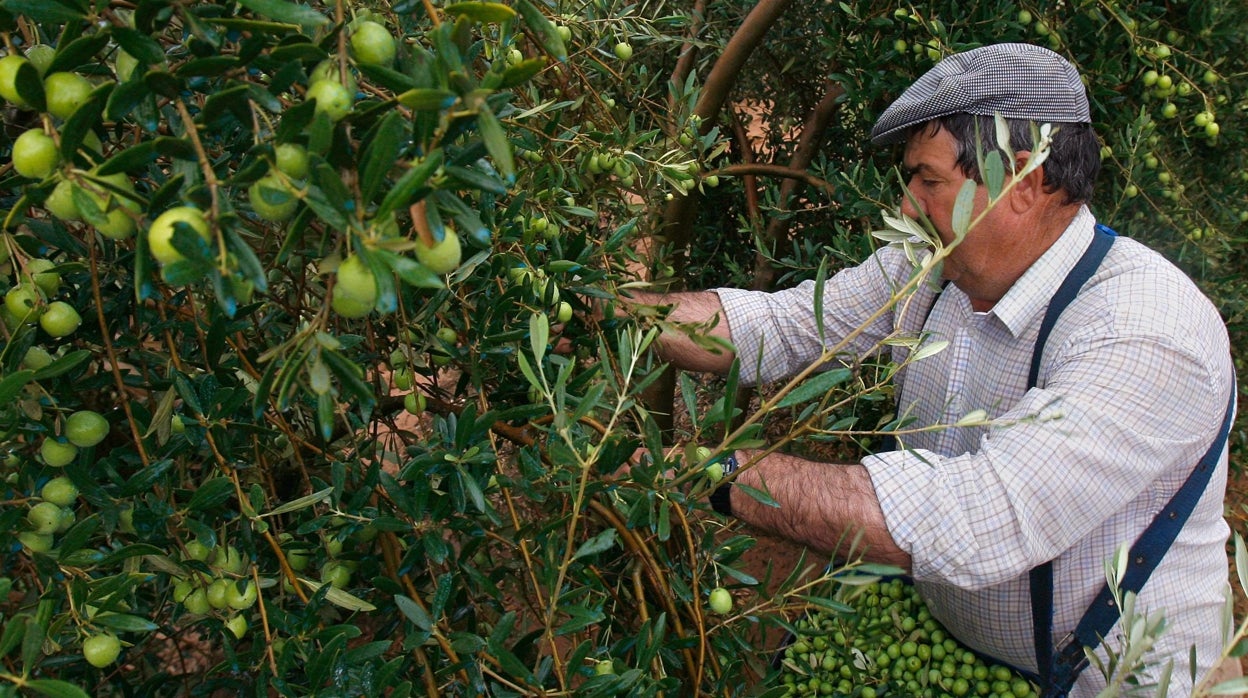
x=721, y=496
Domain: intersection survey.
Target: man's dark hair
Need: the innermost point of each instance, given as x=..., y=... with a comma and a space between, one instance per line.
x=1074, y=156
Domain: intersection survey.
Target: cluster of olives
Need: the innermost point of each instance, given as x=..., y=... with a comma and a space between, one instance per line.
x=889, y=646
x=52, y=514
x=355, y=288
x=37, y=153
x=226, y=589
x=272, y=197
x=111, y=205
x=543, y=289
x=612, y=164
x=83, y=429
x=33, y=299
x=1164, y=86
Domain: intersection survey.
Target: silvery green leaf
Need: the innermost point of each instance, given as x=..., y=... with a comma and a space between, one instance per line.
x=647, y=339
x=911, y=256
x=545, y=106
x=300, y=503
x=1120, y=564
x=972, y=418
x=539, y=334
x=861, y=661
x=891, y=236
x=820, y=277
x=905, y=224
x=327, y=341
x=288, y=12
x=1037, y=159
x=1003, y=134
x=963, y=207
x=1228, y=610
x=1234, y=687
x=318, y=376
x=544, y=29
x=994, y=174
x=816, y=386
x=602, y=542
x=496, y=142
x=930, y=349
x=905, y=191
x=527, y=370
x=1241, y=562
x=414, y=612
x=339, y=597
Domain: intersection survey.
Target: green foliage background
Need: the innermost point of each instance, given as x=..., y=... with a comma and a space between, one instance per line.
x=489, y=546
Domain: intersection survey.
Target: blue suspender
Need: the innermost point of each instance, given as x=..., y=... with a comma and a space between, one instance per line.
x=1058, y=671
x=1078, y=276
x=1042, y=576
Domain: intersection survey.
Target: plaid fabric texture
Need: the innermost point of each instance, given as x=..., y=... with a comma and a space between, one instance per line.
x=1133, y=385
x=1017, y=81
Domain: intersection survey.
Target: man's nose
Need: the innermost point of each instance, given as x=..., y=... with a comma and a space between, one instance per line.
x=907, y=206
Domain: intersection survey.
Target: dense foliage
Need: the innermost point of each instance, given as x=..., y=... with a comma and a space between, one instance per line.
x=279, y=405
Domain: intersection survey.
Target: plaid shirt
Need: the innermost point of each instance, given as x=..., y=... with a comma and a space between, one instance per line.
x=1133, y=386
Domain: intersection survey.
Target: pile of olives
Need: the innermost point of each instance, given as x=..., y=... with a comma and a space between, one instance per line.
x=889, y=645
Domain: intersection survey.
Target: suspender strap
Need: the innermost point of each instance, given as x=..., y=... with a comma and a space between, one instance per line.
x=1074, y=281
x=1041, y=577
x=1145, y=554
x=1058, y=671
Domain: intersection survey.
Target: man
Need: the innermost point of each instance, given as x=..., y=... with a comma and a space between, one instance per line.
x=1132, y=386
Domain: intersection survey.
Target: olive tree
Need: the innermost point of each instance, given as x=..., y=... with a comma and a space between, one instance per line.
x=311, y=379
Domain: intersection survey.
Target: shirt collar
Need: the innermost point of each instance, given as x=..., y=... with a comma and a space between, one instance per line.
x=1023, y=304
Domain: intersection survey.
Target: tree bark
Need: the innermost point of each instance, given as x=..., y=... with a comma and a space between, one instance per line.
x=808, y=144
x=676, y=224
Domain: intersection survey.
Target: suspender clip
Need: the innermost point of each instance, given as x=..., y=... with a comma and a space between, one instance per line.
x=1069, y=662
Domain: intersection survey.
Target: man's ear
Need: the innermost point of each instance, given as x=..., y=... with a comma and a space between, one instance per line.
x=1030, y=189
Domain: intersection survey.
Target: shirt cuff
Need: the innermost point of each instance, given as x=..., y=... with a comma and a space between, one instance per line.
x=916, y=498
x=745, y=337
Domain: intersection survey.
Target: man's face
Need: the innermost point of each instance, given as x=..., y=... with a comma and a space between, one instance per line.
x=935, y=179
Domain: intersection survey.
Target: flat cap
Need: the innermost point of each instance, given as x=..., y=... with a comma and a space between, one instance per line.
x=1017, y=81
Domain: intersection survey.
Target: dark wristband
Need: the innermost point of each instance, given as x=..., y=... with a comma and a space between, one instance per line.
x=721, y=497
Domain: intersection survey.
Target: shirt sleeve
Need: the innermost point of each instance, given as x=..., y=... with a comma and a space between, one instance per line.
x=777, y=334
x=1119, y=424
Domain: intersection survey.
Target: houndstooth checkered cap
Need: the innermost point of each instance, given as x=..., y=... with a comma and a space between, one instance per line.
x=1017, y=81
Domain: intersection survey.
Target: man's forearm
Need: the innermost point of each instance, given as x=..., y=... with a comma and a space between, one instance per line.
x=829, y=507
x=698, y=308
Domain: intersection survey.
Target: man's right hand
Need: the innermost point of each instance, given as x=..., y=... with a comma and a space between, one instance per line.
x=698, y=337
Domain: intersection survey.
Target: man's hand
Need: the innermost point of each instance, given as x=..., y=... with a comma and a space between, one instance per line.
x=705, y=344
